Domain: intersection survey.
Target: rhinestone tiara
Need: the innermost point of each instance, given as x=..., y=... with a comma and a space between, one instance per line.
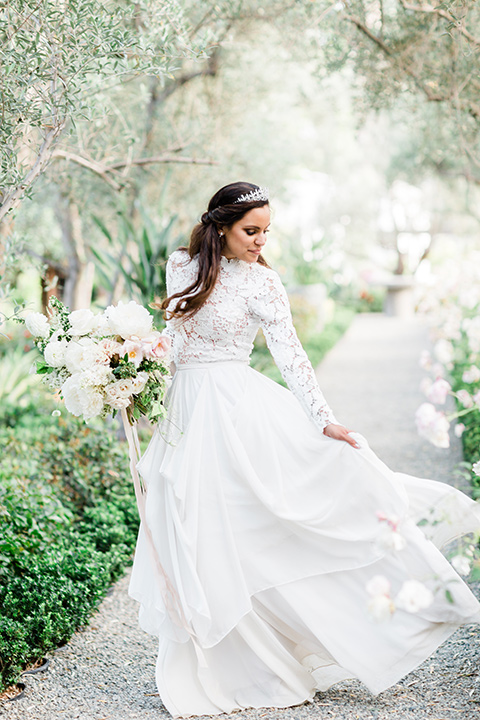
x=260, y=193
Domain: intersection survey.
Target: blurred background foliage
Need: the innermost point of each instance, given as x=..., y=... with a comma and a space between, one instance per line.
x=116, y=132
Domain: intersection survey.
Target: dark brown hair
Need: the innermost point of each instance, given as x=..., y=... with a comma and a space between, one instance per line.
x=207, y=244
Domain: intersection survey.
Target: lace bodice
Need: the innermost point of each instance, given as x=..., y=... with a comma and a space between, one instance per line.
x=246, y=296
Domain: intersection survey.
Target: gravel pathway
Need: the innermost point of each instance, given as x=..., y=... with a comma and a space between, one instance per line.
x=107, y=671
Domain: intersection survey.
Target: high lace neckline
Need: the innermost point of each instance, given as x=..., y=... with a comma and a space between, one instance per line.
x=233, y=262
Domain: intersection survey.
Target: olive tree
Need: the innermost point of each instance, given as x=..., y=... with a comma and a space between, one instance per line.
x=56, y=55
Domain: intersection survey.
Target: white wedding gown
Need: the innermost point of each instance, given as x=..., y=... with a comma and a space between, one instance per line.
x=267, y=530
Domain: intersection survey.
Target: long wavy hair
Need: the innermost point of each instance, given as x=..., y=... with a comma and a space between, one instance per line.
x=207, y=245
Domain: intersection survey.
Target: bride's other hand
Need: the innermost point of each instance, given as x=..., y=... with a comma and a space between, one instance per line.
x=339, y=432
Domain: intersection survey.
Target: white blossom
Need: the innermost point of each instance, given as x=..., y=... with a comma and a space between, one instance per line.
x=81, y=399
x=432, y=425
x=139, y=382
x=82, y=322
x=414, y=596
x=92, y=404
x=476, y=468
x=443, y=351
x=96, y=375
x=380, y=605
x=37, y=325
x=54, y=353
x=71, y=392
x=390, y=540
x=74, y=354
x=461, y=564
x=129, y=319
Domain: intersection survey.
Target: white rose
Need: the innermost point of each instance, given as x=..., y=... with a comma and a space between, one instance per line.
x=71, y=391
x=81, y=400
x=114, y=398
x=101, y=325
x=92, y=403
x=74, y=354
x=37, y=325
x=128, y=319
x=124, y=387
x=414, y=596
x=55, y=353
x=82, y=322
x=96, y=375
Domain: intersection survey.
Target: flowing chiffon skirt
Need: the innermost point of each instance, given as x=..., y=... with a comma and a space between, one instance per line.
x=268, y=533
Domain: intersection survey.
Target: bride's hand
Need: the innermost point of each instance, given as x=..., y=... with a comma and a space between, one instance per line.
x=338, y=432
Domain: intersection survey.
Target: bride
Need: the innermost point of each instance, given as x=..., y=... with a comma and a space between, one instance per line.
x=264, y=515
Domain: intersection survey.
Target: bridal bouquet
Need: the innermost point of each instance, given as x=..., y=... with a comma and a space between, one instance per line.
x=103, y=362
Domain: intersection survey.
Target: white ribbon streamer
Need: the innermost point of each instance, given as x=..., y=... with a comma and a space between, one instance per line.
x=169, y=594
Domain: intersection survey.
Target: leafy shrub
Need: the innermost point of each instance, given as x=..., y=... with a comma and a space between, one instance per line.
x=68, y=524
x=471, y=420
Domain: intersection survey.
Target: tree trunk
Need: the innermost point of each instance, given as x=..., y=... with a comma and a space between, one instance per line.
x=79, y=281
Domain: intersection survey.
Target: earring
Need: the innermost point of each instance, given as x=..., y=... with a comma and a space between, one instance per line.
x=221, y=233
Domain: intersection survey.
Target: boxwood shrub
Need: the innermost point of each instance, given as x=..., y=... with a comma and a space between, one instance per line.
x=68, y=525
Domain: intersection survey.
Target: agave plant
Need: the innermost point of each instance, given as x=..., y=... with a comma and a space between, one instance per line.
x=137, y=256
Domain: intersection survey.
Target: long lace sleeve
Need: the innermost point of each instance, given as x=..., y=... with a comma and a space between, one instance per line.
x=178, y=276
x=269, y=302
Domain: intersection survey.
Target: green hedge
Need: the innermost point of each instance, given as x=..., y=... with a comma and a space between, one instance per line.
x=471, y=434
x=68, y=525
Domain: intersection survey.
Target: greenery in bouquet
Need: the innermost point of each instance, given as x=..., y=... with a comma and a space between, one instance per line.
x=104, y=362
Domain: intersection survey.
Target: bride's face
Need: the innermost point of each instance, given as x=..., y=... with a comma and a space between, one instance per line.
x=246, y=237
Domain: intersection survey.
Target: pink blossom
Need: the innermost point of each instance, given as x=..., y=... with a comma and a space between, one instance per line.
x=438, y=392
x=459, y=429
x=134, y=349
x=432, y=425
x=465, y=398
x=156, y=346
x=476, y=398
x=472, y=375
x=390, y=538
x=110, y=348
